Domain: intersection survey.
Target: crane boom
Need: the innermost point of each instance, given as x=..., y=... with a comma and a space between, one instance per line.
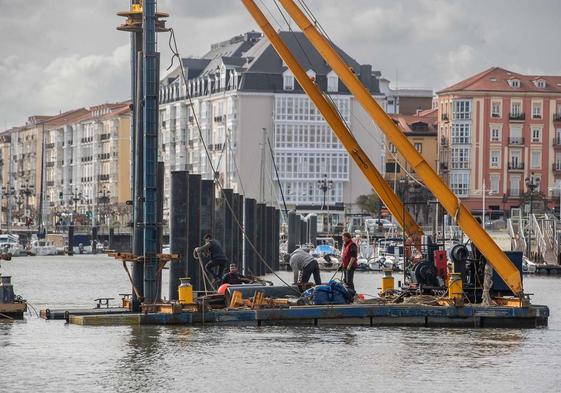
x=480, y=238
x=332, y=117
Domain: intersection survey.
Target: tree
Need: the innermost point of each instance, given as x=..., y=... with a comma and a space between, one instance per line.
x=369, y=203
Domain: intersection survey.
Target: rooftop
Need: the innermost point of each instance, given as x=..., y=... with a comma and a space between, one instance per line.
x=496, y=79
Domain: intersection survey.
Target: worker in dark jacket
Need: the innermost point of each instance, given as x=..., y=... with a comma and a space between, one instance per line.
x=304, y=265
x=234, y=277
x=216, y=265
x=349, y=260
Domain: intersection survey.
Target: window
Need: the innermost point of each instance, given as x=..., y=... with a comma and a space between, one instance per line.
x=495, y=109
x=393, y=149
x=536, y=110
x=536, y=162
x=495, y=158
x=495, y=179
x=516, y=108
x=536, y=134
x=459, y=182
x=288, y=82
x=495, y=134
x=514, y=83
x=460, y=158
x=462, y=110
x=461, y=133
x=419, y=147
x=392, y=167
x=515, y=186
x=332, y=82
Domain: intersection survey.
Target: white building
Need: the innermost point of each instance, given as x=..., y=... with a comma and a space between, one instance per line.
x=245, y=98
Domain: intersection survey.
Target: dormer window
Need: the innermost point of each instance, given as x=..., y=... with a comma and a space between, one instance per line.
x=540, y=83
x=514, y=83
x=332, y=82
x=288, y=81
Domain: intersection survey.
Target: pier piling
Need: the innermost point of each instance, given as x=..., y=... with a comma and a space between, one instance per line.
x=194, y=235
x=249, y=226
x=179, y=229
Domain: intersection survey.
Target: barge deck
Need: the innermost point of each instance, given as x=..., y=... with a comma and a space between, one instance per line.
x=474, y=316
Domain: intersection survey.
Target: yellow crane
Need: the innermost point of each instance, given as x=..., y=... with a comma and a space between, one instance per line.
x=480, y=238
x=332, y=117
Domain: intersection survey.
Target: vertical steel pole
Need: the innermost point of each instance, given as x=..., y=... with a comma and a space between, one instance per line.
x=150, y=120
x=179, y=229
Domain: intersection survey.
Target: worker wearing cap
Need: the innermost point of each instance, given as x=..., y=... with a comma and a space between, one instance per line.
x=234, y=277
x=349, y=260
x=304, y=265
x=217, y=259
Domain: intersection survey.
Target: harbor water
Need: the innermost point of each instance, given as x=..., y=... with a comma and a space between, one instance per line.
x=50, y=356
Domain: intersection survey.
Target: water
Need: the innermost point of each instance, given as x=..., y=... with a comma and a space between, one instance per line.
x=49, y=356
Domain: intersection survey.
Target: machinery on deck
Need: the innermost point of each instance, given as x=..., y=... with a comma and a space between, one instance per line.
x=428, y=271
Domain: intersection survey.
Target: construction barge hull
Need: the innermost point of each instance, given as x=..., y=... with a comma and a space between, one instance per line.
x=361, y=315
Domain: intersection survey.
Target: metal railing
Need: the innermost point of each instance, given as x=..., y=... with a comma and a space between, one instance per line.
x=515, y=166
x=517, y=116
x=515, y=140
x=557, y=117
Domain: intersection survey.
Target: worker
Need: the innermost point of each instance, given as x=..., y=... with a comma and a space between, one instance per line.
x=349, y=260
x=304, y=265
x=217, y=261
x=234, y=277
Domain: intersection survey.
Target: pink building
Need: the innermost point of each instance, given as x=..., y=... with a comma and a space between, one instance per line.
x=496, y=129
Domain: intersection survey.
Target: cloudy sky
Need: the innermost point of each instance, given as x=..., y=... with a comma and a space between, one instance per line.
x=63, y=54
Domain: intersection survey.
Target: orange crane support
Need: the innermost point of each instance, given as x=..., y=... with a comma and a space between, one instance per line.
x=382, y=188
x=480, y=238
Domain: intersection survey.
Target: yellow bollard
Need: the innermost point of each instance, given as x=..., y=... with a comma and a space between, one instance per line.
x=455, y=287
x=185, y=291
x=387, y=281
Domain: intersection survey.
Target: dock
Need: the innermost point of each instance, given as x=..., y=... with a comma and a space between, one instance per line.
x=64, y=313
x=472, y=316
x=548, y=269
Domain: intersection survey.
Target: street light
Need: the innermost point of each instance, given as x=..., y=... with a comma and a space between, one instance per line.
x=75, y=197
x=104, y=199
x=325, y=185
x=8, y=192
x=483, y=192
x=27, y=190
x=532, y=184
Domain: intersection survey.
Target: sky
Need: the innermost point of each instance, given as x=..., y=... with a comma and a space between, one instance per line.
x=64, y=54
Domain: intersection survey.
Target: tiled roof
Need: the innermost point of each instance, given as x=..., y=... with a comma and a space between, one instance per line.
x=496, y=79
x=406, y=122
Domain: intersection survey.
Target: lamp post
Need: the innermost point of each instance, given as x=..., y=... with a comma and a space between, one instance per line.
x=325, y=185
x=531, y=184
x=104, y=198
x=27, y=190
x=75, y=197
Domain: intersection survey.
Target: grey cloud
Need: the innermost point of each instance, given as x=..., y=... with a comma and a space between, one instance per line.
x=60, y=54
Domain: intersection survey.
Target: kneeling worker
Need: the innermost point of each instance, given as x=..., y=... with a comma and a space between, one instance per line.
x=304, y=264
x=234, y=277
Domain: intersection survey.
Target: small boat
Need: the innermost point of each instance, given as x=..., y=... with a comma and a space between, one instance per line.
x=42, y=248
x=327, y=256
x=10, y=245
x=382, y=262
x=528, y=266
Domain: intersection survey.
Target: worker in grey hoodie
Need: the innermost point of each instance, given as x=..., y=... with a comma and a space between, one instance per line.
x=304, y=265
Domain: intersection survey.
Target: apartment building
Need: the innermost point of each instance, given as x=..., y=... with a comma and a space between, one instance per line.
x=497, y=129
x=248, y=104
x=405, y=101
x=82, y=158
x=422, y=131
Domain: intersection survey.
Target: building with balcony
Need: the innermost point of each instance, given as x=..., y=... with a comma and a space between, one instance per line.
x=502, y=128
x=251, y=112
x=83, y=152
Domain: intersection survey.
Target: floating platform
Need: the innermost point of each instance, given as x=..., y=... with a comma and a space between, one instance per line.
x=64, y=313
x=357, y=314
x=12, y=310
